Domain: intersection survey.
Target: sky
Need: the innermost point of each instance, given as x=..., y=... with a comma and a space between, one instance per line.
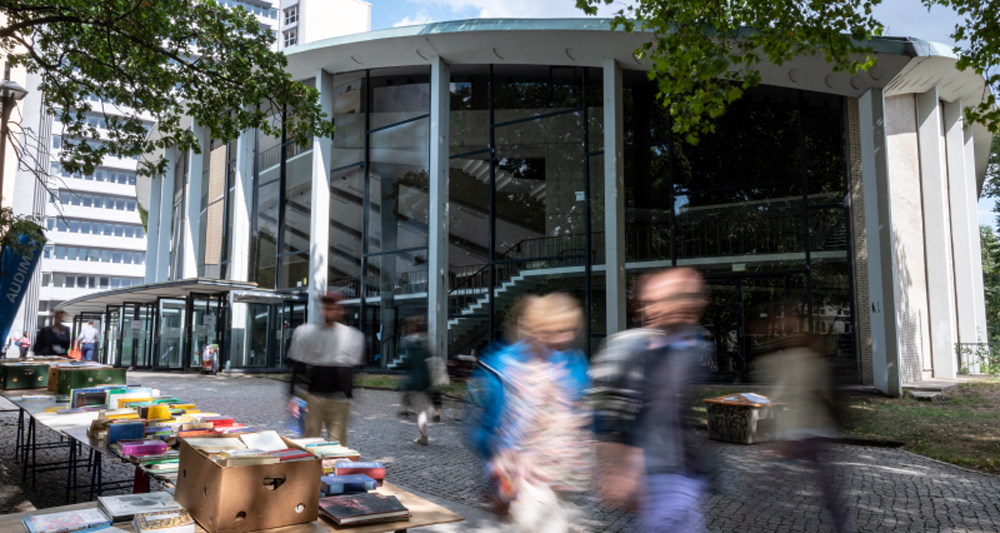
x=905, y=18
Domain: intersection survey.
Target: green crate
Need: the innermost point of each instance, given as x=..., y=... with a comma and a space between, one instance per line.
x=70, y=379
x=24, y=376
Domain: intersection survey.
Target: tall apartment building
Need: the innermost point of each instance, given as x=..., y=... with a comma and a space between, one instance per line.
x=307, y=21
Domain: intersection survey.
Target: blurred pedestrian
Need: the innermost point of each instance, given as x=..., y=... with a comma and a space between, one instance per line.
x=323, y=358
x=88, y=341
x=54, y=339
x=802, y=383
x=541, y=457
x=418, y=388
x=640, y=378
x=24, y=344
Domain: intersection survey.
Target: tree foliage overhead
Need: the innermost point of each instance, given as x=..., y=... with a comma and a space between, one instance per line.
x=705, y=53
x=167, y=58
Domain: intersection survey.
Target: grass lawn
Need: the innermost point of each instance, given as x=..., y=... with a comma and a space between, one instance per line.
x=962, y=427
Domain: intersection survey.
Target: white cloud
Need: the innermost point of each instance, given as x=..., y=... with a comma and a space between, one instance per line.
x=419, y=18
x=516, y=8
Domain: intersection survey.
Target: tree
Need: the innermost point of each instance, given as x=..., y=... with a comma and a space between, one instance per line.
x=991, y=281
x=168, y=58
x=704, y=54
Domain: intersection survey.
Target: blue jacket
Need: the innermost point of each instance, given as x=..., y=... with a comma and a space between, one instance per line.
x=486, y=388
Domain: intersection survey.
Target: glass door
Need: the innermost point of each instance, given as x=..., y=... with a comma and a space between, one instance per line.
x=743, y=314
x=170, y=346
x=206, y=318
x=112, y=338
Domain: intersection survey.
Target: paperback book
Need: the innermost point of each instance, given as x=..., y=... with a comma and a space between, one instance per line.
x=177, y=521
x=126, y=506
x=66, y=522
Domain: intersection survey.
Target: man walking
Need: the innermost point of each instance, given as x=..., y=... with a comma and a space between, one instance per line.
x=88, y=341
x=639, y=381
x=323, y=358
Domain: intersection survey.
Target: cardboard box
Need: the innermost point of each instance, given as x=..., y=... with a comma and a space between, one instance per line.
x=69, y=379
x=23, y=376
x=238, y=499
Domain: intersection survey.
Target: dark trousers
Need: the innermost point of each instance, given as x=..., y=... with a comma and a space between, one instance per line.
x=24, y=352
x=813, y=452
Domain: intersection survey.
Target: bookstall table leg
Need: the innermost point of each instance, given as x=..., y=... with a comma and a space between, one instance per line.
x=71, y=470
x=27, y=449
x=93, y=474
x=20, y=432
x=141, y=483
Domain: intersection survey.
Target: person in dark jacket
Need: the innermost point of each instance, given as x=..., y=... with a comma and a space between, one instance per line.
x=418, y=393
x=54, y=339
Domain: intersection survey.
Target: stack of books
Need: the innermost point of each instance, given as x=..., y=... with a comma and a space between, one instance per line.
x=176, y=521
x=126, y=506
x=375, y=471
x=245, y=457
x=364, y=508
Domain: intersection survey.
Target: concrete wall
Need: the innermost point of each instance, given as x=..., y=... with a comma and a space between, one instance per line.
x=860, y=244
x=909, y=262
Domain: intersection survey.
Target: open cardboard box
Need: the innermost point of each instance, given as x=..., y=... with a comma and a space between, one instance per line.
x=237, y=499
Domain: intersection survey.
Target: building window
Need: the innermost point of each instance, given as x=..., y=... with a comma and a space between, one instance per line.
x=291, y=15
x=291, y=37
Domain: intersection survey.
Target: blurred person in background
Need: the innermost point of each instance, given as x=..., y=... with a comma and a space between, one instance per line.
x=640, y=380
x=803, y=384
x=54, y=339
x=323, y=358
x=88, y=341
x=538, y=447
x=418, y=388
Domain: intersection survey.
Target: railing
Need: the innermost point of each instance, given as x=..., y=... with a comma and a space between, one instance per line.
x=978, y=358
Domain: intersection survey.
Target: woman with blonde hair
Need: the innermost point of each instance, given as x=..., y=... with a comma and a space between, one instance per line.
x=541, y=460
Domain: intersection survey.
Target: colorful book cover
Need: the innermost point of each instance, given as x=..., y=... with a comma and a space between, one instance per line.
x=373, y=470
x=160, y=520
x=66, y=521
x=332, y=485
x=364, y=507
x=126, y=430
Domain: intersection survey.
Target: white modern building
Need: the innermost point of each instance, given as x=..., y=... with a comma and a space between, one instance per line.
x=476, y=161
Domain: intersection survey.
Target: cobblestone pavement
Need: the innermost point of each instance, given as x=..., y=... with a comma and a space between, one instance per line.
x=886, y=489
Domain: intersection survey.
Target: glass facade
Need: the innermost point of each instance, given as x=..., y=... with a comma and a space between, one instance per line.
x=217, y=188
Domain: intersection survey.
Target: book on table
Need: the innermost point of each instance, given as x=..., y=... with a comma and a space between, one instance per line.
x=66, y=522
x=363, y=508
x=177, y=521
x=333, y=485
x=126, y=506
x=246, y=457
x=373, y=470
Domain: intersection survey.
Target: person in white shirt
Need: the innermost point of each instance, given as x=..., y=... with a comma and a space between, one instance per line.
x=323, y=358
x=88, y=341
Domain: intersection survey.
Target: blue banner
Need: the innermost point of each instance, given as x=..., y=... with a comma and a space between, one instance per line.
x=15, y=274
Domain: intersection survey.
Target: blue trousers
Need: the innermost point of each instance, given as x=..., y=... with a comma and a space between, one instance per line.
x=673, y=504
x=87, y=352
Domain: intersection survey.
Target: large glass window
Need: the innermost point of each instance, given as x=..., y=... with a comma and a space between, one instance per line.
x=213, y=206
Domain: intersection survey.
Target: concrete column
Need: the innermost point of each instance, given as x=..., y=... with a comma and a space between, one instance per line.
x=878, y=229
x=437, y=239
x=166, y=215
x=964, y=230
x=152, y=227
x=319, y=235
x=192, y=208
x=972, y=212
x=937, y=237
x=614, y=196
x=242, y=206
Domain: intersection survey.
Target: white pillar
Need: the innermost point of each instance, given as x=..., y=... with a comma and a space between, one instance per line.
x=972, y=212
x=152, y=227
x=319, y=236
x=437, y=239
x=878, y=230
x=166, y=214
x=192, y=208
x=614, y=196
x=242, y=206
x=937, y=237
x=964, y=233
